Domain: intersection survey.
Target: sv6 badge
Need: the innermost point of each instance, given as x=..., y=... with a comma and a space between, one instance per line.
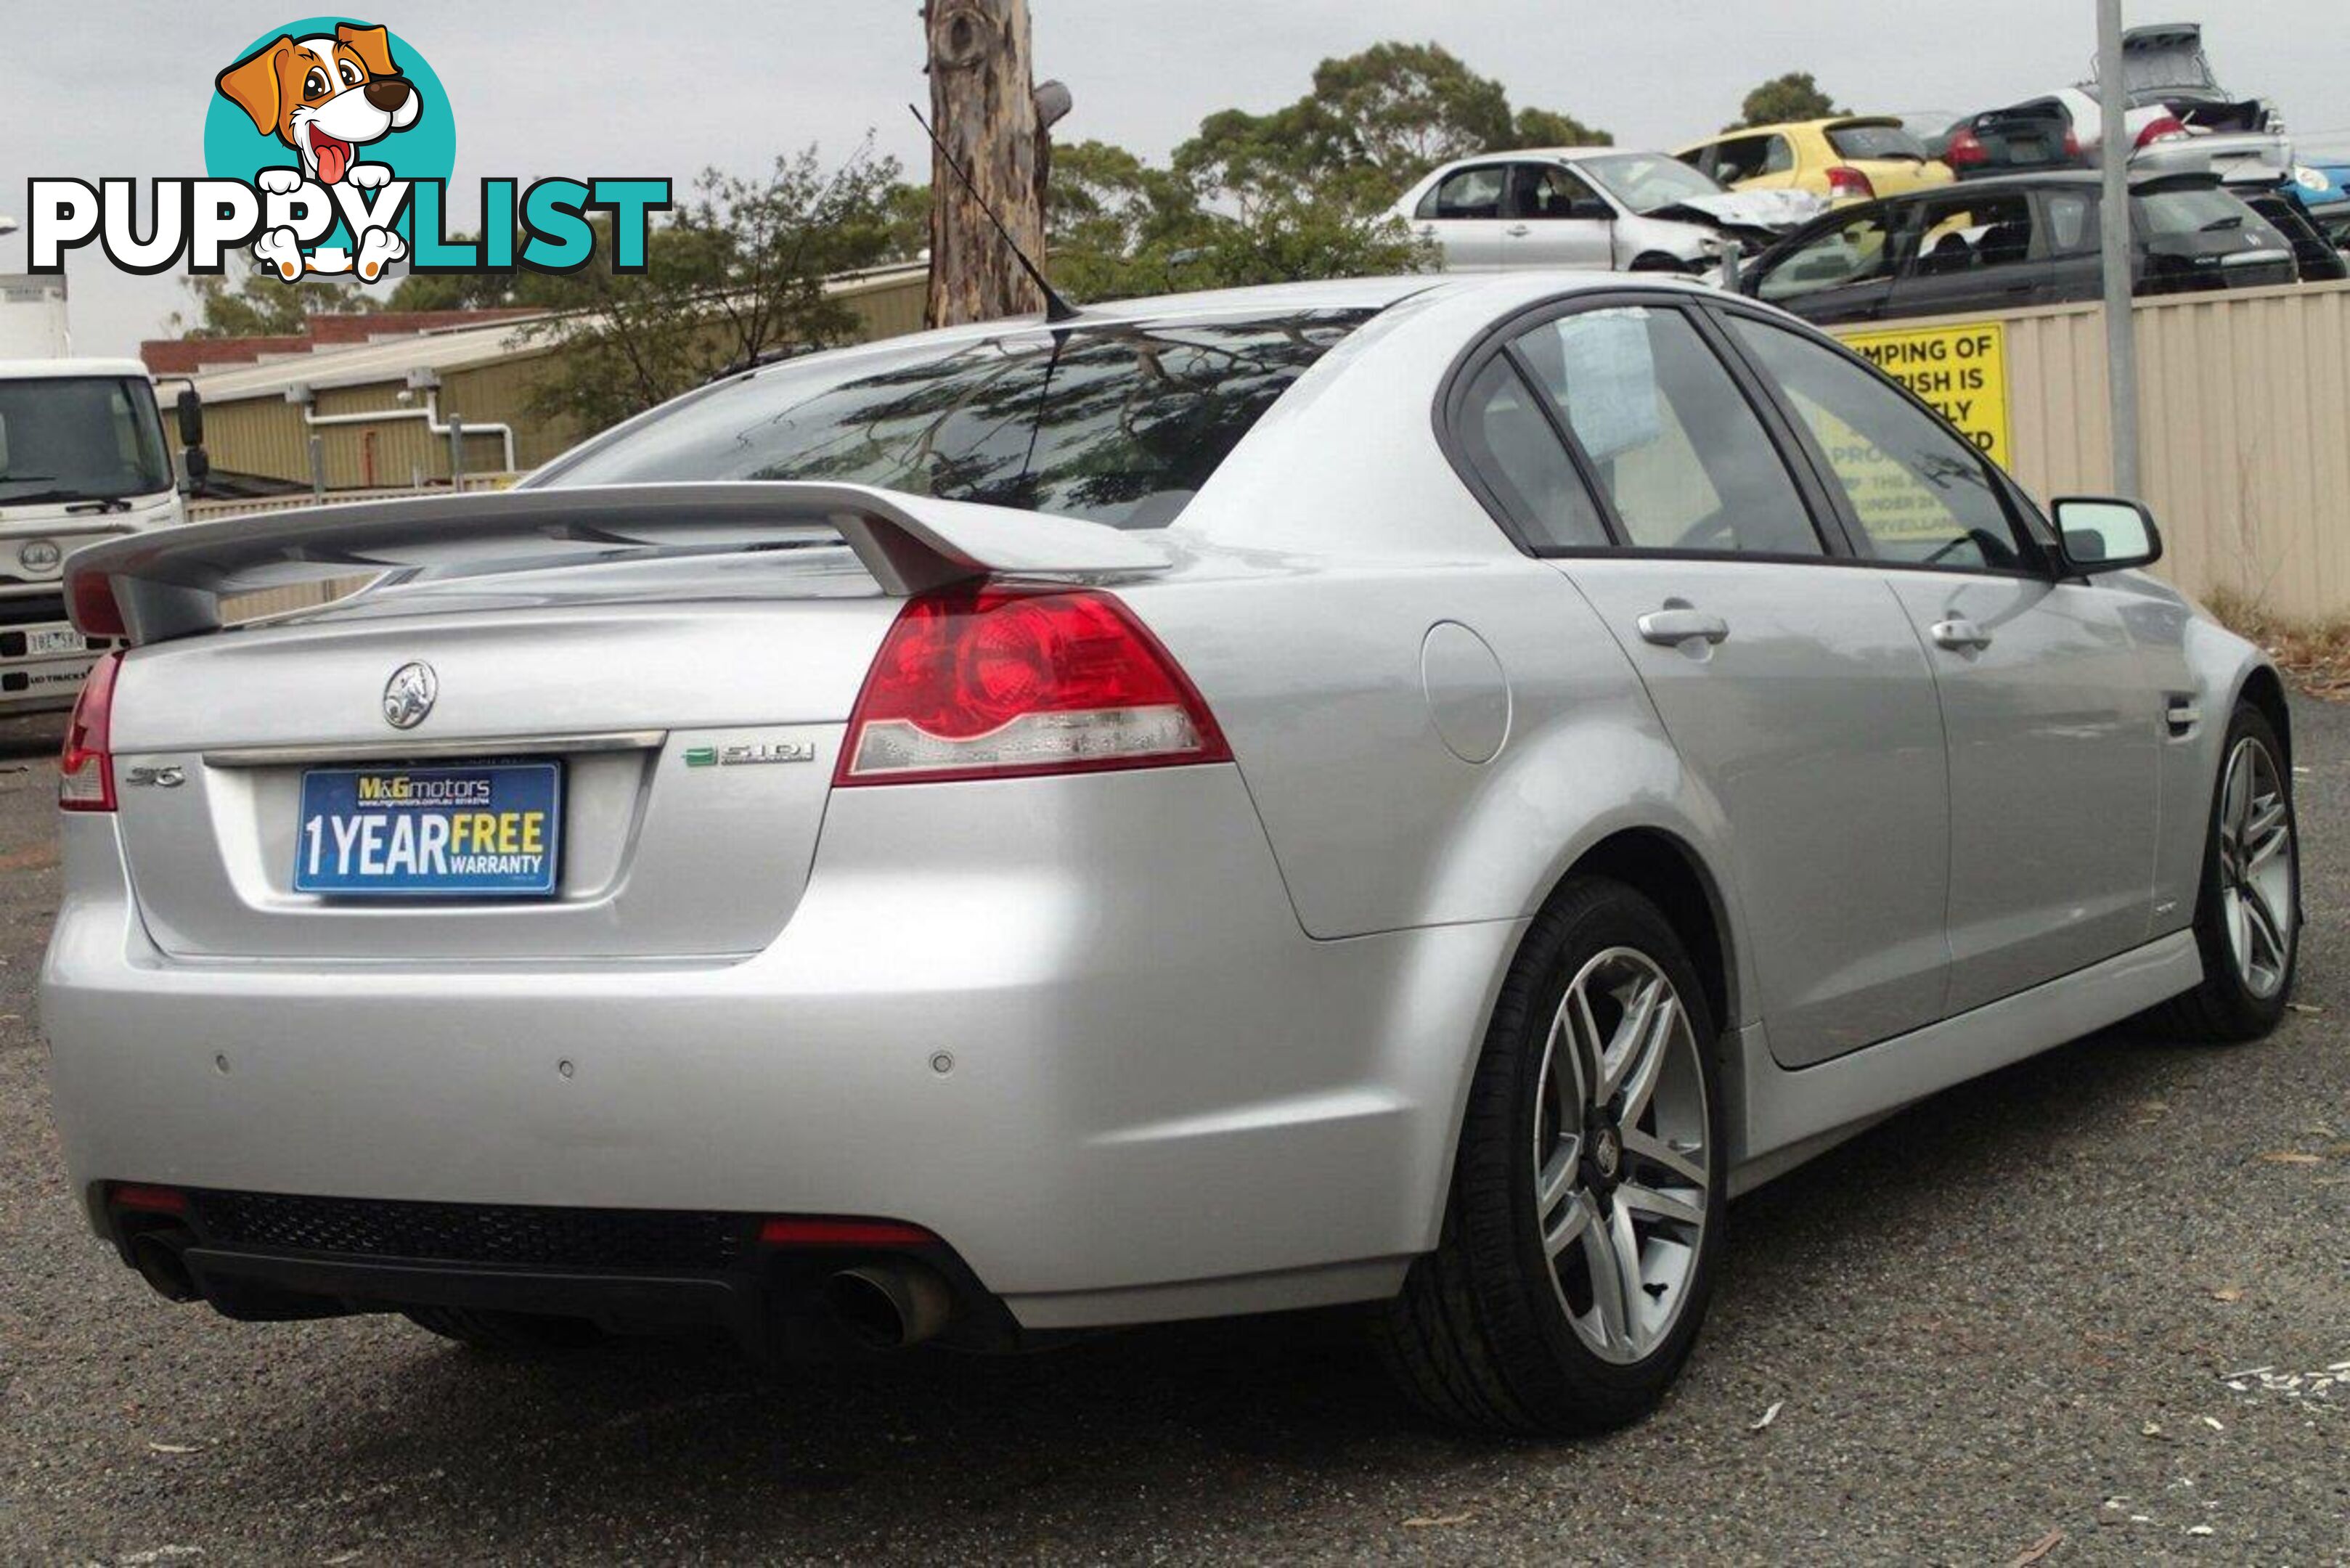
x=750, y=752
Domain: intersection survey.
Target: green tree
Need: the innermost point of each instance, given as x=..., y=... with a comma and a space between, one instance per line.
x=737, y=276
x=1373, y=123
x=1295, y=239
x=1298, y=192
x=523, y=287
x=247, y=300
x=1548, y=127
x=1786, y=99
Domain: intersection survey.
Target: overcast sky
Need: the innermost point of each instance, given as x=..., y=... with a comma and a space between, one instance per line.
x=93, y=87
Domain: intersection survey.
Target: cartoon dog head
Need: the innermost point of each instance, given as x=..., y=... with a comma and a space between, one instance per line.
x=325, y=96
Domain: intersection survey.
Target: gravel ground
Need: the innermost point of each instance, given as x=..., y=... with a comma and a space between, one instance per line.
x=1997, y=1323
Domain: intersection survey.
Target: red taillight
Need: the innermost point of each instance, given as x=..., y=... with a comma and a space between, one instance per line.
x=801, y=1231
x=85, y=768
x=1966, y=150
x=147, y=1199
x=2072, y=144
x=89, y=599
x=2165, y=128
x=1846, y=184
x=1011, y=679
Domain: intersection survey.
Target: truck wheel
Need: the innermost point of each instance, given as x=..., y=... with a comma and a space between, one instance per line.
x=1587, y=1195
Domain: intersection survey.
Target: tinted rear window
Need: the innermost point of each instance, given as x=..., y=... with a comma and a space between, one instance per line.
x=2205, y=211
x=1876, y=142
x=1121, y=424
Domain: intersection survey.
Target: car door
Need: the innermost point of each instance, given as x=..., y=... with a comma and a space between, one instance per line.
x=1981, y=251
x=1552, y=220
x=2069, y=226
x=1462, y=213
x=1792, y=686
x=2053, y=722
x=1841, y=269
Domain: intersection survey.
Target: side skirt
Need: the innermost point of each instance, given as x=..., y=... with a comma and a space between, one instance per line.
x=1788, y=1115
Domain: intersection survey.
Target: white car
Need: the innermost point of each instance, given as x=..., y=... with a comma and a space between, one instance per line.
x=1600, y=208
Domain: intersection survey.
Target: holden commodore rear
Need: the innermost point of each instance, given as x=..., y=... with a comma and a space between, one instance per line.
x=1193, y=810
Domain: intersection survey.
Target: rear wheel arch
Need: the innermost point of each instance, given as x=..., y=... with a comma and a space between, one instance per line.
x=1670, y=873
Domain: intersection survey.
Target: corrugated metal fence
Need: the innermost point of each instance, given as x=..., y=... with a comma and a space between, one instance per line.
x=2244, y=414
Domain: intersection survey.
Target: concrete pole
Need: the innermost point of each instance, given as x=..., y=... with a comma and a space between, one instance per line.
x=2121, y=335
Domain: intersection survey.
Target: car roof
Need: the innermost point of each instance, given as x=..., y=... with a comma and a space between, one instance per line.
x=1167, y=310
x=2065, y=180
x=1785, y=127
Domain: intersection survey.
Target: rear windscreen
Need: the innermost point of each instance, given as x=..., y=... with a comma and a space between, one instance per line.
x=1119, y=423
x=2201, y=211
x=1876, y=142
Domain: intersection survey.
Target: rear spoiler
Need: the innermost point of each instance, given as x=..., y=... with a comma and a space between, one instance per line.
x=155, y=587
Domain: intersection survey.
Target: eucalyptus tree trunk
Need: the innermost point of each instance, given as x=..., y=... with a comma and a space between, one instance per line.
x=983, y=107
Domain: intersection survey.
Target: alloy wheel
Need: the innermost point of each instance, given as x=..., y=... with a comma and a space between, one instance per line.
x=1621, y=1166
x=2257, y=873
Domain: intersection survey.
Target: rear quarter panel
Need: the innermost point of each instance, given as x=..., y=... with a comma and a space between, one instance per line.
x=1320, y=680
x=1319, y=559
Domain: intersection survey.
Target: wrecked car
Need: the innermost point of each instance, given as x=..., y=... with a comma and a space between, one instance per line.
x=2179, y=120
x=1600, y=208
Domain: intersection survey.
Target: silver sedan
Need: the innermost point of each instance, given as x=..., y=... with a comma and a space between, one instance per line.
x=1401, y=792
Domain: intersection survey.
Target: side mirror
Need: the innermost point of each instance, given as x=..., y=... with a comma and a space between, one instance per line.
x=190, y=410
x=2101, y=534
x=1591, y=210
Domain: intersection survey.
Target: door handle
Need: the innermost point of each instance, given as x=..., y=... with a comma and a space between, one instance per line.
x=1961, y=635
x=1517, y=231
x=1672, y=626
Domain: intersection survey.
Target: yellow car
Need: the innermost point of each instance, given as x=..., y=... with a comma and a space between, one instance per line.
x=1857, y=158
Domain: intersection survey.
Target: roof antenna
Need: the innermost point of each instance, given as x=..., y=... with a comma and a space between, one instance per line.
x=1056, y=309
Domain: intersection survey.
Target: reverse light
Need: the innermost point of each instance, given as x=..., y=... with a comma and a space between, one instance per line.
x=1014, y=679
x=85, y=767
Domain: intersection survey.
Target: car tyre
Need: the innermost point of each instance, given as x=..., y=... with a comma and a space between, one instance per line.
x=2247, y=908
x=512, y=1335
x=1577, y=1137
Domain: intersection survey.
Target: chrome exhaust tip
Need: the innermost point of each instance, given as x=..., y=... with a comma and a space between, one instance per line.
x=890, y=1304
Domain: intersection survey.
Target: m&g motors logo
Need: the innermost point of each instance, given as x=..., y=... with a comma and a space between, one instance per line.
x=328, y=145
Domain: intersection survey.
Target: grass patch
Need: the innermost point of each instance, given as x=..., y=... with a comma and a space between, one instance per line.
x=2315, y=655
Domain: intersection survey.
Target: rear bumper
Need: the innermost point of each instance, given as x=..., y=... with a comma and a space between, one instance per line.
x=261, y=1258
x=1086, y=1045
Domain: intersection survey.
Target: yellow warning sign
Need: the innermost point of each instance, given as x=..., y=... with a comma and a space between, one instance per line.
x=1960, y=371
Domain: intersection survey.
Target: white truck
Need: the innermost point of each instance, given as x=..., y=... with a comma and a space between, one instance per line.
x=82, y=458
